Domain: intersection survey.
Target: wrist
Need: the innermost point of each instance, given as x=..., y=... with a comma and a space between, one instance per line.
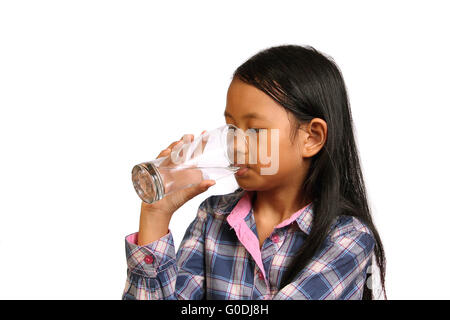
x=152, y=212
x=153, y=225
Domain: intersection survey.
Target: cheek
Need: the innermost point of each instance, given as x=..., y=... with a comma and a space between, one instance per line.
x=289, y=161
x=278, y=153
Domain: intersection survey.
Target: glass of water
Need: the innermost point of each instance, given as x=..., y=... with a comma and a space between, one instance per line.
x=211, y=156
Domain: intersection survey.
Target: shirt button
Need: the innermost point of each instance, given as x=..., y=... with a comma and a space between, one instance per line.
x=275, y=238
x=148, y=259
x=260, y=275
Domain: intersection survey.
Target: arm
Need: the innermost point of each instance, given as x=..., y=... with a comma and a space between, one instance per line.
x=336, y=271
x=154, y=272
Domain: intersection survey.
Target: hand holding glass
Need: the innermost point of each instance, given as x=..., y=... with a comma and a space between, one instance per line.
x=211, y=156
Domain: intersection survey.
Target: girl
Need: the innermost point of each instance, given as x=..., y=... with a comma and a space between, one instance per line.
x=305, y=232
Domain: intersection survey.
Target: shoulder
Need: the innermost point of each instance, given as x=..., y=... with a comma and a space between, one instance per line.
x=221, y=204
x=350, y=232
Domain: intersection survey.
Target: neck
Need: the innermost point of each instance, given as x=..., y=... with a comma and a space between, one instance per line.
x=278, y=204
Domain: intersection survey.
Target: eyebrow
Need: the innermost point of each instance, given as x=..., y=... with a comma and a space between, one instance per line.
x=247, y=116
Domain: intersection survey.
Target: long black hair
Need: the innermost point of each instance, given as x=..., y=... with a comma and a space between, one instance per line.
x=310, y=85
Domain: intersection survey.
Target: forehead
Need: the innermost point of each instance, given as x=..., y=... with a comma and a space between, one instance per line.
x=246, y=102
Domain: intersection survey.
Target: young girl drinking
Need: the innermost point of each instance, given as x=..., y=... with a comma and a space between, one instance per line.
x=304, y=232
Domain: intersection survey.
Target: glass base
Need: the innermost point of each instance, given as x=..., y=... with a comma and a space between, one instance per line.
x=147, y=182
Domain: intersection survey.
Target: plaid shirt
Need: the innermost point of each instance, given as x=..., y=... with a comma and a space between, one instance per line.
x=220, y=257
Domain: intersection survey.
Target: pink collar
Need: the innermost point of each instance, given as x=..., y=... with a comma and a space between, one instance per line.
x=250, y=241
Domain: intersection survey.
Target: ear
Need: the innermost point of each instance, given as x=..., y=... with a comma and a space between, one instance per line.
x=315, y=137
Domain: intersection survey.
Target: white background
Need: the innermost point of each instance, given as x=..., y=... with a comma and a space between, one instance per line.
x=89, y=88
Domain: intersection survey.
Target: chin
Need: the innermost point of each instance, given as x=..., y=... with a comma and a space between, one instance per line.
x=247, y=183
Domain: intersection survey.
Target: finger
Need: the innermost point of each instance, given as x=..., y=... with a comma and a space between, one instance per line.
x=204, y=140
x=184, y=138
x=206, y=184
x=163, y=153
x=168, y=150
x=187, y=137
x=173, y=144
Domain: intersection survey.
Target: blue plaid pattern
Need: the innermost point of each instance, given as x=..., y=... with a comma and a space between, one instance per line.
x=215, y=260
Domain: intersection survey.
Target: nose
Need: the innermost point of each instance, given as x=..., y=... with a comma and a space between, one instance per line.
x=237, y=145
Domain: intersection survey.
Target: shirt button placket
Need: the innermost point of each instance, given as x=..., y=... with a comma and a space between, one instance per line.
x=263, y=287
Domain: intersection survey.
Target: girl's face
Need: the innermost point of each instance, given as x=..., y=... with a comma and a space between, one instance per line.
x=284, y=163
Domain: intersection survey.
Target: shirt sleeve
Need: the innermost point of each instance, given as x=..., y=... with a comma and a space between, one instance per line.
x=338, y=271
x=155, y=272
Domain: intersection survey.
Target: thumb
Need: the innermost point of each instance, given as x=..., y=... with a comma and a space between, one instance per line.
x=199, y=188
x=192, y=191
